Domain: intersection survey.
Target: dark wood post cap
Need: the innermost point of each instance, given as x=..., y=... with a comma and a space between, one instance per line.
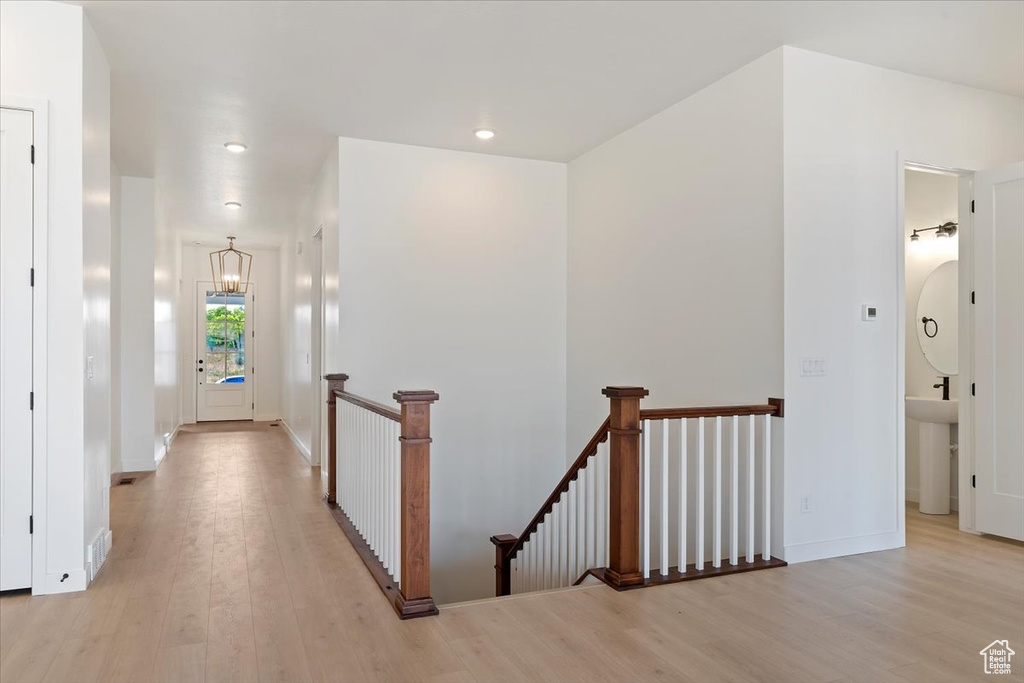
x=336, y=377
x=420, y=396
x=625, y=392
x=504, y=540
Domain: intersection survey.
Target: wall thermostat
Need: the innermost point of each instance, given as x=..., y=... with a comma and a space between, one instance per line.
x=868, y=312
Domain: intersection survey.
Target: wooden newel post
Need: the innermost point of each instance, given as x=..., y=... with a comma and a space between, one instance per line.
x=624, y=486
x=414, y=593
x=503, y=543
x=335, y=382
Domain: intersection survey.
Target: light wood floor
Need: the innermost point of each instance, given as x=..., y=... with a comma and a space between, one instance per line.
x=226, y=567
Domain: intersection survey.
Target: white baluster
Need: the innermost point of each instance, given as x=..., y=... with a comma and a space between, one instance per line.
x=734, y=496
x=556, y=544
x=645, y=498
x=682, y=495
x=571, y=532
x=750, y=488
x=767, y=552
x=664, y=498
x=566, y=542
x=600, y=505
x=581, y=520
x=700, y=494
x=716, y=541
x=591, y=516
x=397, y=502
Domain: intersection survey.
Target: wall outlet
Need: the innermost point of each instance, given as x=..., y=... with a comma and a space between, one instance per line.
x=106, y=499
x=805, y=503
x=813, y=366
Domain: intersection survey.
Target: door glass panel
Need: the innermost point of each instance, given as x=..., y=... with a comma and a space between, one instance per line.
x=225, y=339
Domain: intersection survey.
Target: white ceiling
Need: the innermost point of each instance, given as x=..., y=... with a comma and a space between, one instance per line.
x=554, y=79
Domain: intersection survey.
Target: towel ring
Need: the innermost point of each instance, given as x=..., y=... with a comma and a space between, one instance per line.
x=924, y=321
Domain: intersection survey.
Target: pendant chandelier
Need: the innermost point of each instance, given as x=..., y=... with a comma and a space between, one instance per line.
x=231, y=269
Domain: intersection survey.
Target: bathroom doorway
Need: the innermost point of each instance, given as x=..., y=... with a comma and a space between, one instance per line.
x=932, y=236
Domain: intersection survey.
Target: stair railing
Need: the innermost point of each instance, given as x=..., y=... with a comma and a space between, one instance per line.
x=378, y=490
x=598, y=519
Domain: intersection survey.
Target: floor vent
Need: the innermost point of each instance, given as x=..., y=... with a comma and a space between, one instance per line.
x=127, y=481
x=96, y=555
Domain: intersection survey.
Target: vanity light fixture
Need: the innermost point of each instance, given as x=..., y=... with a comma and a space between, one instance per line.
x=233, y=205
x=947, y=229
x=236, y=147
x=484, y=133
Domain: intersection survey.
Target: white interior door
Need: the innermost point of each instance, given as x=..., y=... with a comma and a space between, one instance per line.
x=999, y=351
x=224, y=353
x=15, y=348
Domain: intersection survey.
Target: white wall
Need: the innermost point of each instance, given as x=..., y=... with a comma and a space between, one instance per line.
x=115, y=318
x=166, y=273
x=930, y=200
x=300, y=399
x=453, y=271
x=41, y=56
x=137, y=408
x=675, y=254
x=844, y=125
x=267, y=359
x=96, y=254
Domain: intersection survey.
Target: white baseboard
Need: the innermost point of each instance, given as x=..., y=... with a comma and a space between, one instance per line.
x=298, y=444
x=853, y=545
x=914, y=496
x=138, y=465
x=265, y=418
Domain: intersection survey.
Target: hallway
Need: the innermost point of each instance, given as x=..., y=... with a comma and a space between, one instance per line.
x=226, y=566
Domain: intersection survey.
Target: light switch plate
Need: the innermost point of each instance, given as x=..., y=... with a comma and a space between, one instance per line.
x=90, y=367
x=813, y=366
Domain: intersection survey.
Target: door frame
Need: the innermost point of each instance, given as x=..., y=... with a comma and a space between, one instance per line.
x=965, y=341
x=195, y=347
x=40, y=109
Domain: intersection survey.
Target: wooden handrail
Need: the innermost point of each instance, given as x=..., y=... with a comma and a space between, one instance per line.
x=711, y=411
x=372, y=406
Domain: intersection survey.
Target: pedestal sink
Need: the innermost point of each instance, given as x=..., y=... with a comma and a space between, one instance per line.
x=935, y=416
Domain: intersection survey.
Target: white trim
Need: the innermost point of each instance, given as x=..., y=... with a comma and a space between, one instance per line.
x=901, y=350
x=298, y=444
x=851, y=545
x=965, y=426
x=40, y=109
x=137, y=466
x=53, y=583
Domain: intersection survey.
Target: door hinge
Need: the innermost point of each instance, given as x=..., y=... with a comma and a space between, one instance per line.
x=31, y=277
x=972, y=388
x=972, y=296
x=32, y=153
x=254, y=406
x=974, y=481
x=31, y=524
x=972, y=206
x=254, y=334
x=31, y=400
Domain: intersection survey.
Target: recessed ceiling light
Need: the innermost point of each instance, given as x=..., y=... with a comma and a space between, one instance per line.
x=484, y=133
x=233, y=205
x=236, y=147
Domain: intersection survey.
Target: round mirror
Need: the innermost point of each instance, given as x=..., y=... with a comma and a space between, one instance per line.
x=937, y=318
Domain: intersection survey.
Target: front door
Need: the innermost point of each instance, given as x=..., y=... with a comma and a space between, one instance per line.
x=999, y=351
x=15, y=348
x=224, y=346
